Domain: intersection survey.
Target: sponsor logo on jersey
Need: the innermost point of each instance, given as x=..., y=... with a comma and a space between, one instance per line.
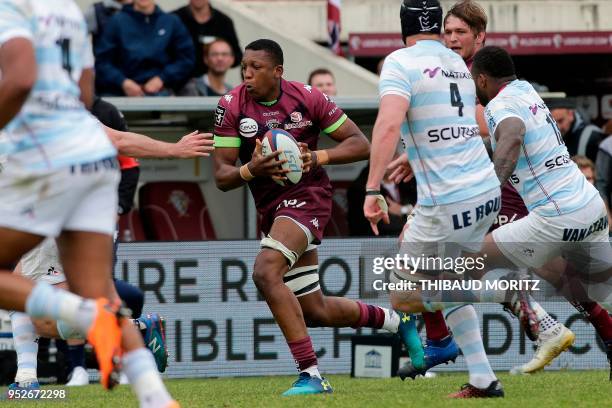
x=432, y=72
x=315, y=222
x=219, y=115
x=334, y=110
x=305, y=123
x=295, y=117
x=452, y=132
x=308, y=88
x=228, y=98
x=273, y=113
x=248, y=127
x=534, y=108
x=560, y=161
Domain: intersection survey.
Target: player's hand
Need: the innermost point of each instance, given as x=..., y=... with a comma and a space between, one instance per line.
x=154, y=85
x=400, y=170
x=375, y=209
x=267, y=166
x=195, y=144
x=131, y=88
x=309, y=160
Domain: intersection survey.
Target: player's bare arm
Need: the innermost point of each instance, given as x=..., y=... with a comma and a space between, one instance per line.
x=509, y=137
x=194, y=144
x=385, y=136
x=18, y=67
x=228, y=176
x=86, y=85
x=487, y=143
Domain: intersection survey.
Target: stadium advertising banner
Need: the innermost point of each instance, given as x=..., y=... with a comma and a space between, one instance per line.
x=588, y=42
x=217, y=325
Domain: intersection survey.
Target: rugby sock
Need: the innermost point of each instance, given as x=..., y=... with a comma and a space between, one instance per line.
x=26, y=347
x=141, y=371
x=304, y=356
x=598, y=316
x=371, y=316
x=435, y=325
x=546, y=321
x=464, y=324
x=76, y=356
x=58, y=304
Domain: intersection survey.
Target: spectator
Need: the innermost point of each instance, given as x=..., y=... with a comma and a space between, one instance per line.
x=143, y=51
x=205, y=24
x=400, y=198
x=580, y=137
x=218, y=57
x=586, y=166
x=323, y=79
x=98, y=15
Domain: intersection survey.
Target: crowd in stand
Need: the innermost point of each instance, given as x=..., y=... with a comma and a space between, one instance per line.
x=141, y=50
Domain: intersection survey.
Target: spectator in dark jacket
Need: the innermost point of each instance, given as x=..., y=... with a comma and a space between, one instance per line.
x=99, y=14
x=205, y=24
x=580, y=137
x=143, y=51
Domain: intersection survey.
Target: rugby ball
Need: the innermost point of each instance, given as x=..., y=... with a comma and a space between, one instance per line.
x=278, y=139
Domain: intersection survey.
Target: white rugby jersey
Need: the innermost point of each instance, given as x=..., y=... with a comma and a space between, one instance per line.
x=53, y=128
x=547, y=179
x=441, y=136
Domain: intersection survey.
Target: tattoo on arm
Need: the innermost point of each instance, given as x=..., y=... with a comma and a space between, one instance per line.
x=509, y=136
x=487, y=143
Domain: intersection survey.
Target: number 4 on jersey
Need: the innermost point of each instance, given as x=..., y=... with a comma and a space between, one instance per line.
x=455, y=97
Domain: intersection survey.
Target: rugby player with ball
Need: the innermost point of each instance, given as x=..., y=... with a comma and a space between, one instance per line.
x=294, y=199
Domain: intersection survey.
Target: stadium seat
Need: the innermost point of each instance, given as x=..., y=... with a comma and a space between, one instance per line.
x=175, y=211
x=130, y=227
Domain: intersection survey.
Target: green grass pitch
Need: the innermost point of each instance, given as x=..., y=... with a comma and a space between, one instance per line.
x=548, y=389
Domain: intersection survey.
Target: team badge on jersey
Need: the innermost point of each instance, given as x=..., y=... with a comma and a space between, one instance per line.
x=295, y=117
x=180, y=201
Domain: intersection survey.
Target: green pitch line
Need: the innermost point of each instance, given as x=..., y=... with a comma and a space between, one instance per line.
x=549, y=389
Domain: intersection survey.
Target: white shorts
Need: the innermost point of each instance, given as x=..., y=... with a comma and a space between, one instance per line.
x=74, y=198
x=580, y=236
x=43, y=264
x=448, y=230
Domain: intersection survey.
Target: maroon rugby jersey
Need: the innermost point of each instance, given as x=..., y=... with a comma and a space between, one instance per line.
x=300, y=109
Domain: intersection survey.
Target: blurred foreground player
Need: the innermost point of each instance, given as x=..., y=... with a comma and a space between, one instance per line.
x=59, y=179
x=293, y=217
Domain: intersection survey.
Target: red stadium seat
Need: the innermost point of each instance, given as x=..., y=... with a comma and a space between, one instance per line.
x=175, y=211
x=130, y=227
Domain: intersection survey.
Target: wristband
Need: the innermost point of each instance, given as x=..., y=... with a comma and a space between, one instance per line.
x=373, y=192
x=322, y=157
x=245, y=173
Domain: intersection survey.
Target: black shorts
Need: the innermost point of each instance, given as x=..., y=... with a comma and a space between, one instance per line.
x=127, y=189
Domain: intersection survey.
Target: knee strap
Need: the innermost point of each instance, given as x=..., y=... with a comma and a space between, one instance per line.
x=271, y=243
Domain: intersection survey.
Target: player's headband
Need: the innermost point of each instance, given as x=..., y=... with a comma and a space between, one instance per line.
x=420, y=16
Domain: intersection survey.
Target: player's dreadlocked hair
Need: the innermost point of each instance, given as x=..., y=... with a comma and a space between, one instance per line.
x=494, y=61
x=271, y=47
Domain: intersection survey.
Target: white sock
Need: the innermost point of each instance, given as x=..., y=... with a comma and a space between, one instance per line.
x=464, y=324
x=546, y=321
x=141, y=371
x=313, y=371
x=26, y=347
x=392, y=320
x=58, y=304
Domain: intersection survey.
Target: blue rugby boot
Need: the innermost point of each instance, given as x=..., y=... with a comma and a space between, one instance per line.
x=30, y=386
x=155, y=339
x=306, y=384
x=436, y=353
x=410, y=337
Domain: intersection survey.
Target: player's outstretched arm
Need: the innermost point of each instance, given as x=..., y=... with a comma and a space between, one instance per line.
x=18, y=67
x=132, y=144
x=509, y=137
x=229, y=177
